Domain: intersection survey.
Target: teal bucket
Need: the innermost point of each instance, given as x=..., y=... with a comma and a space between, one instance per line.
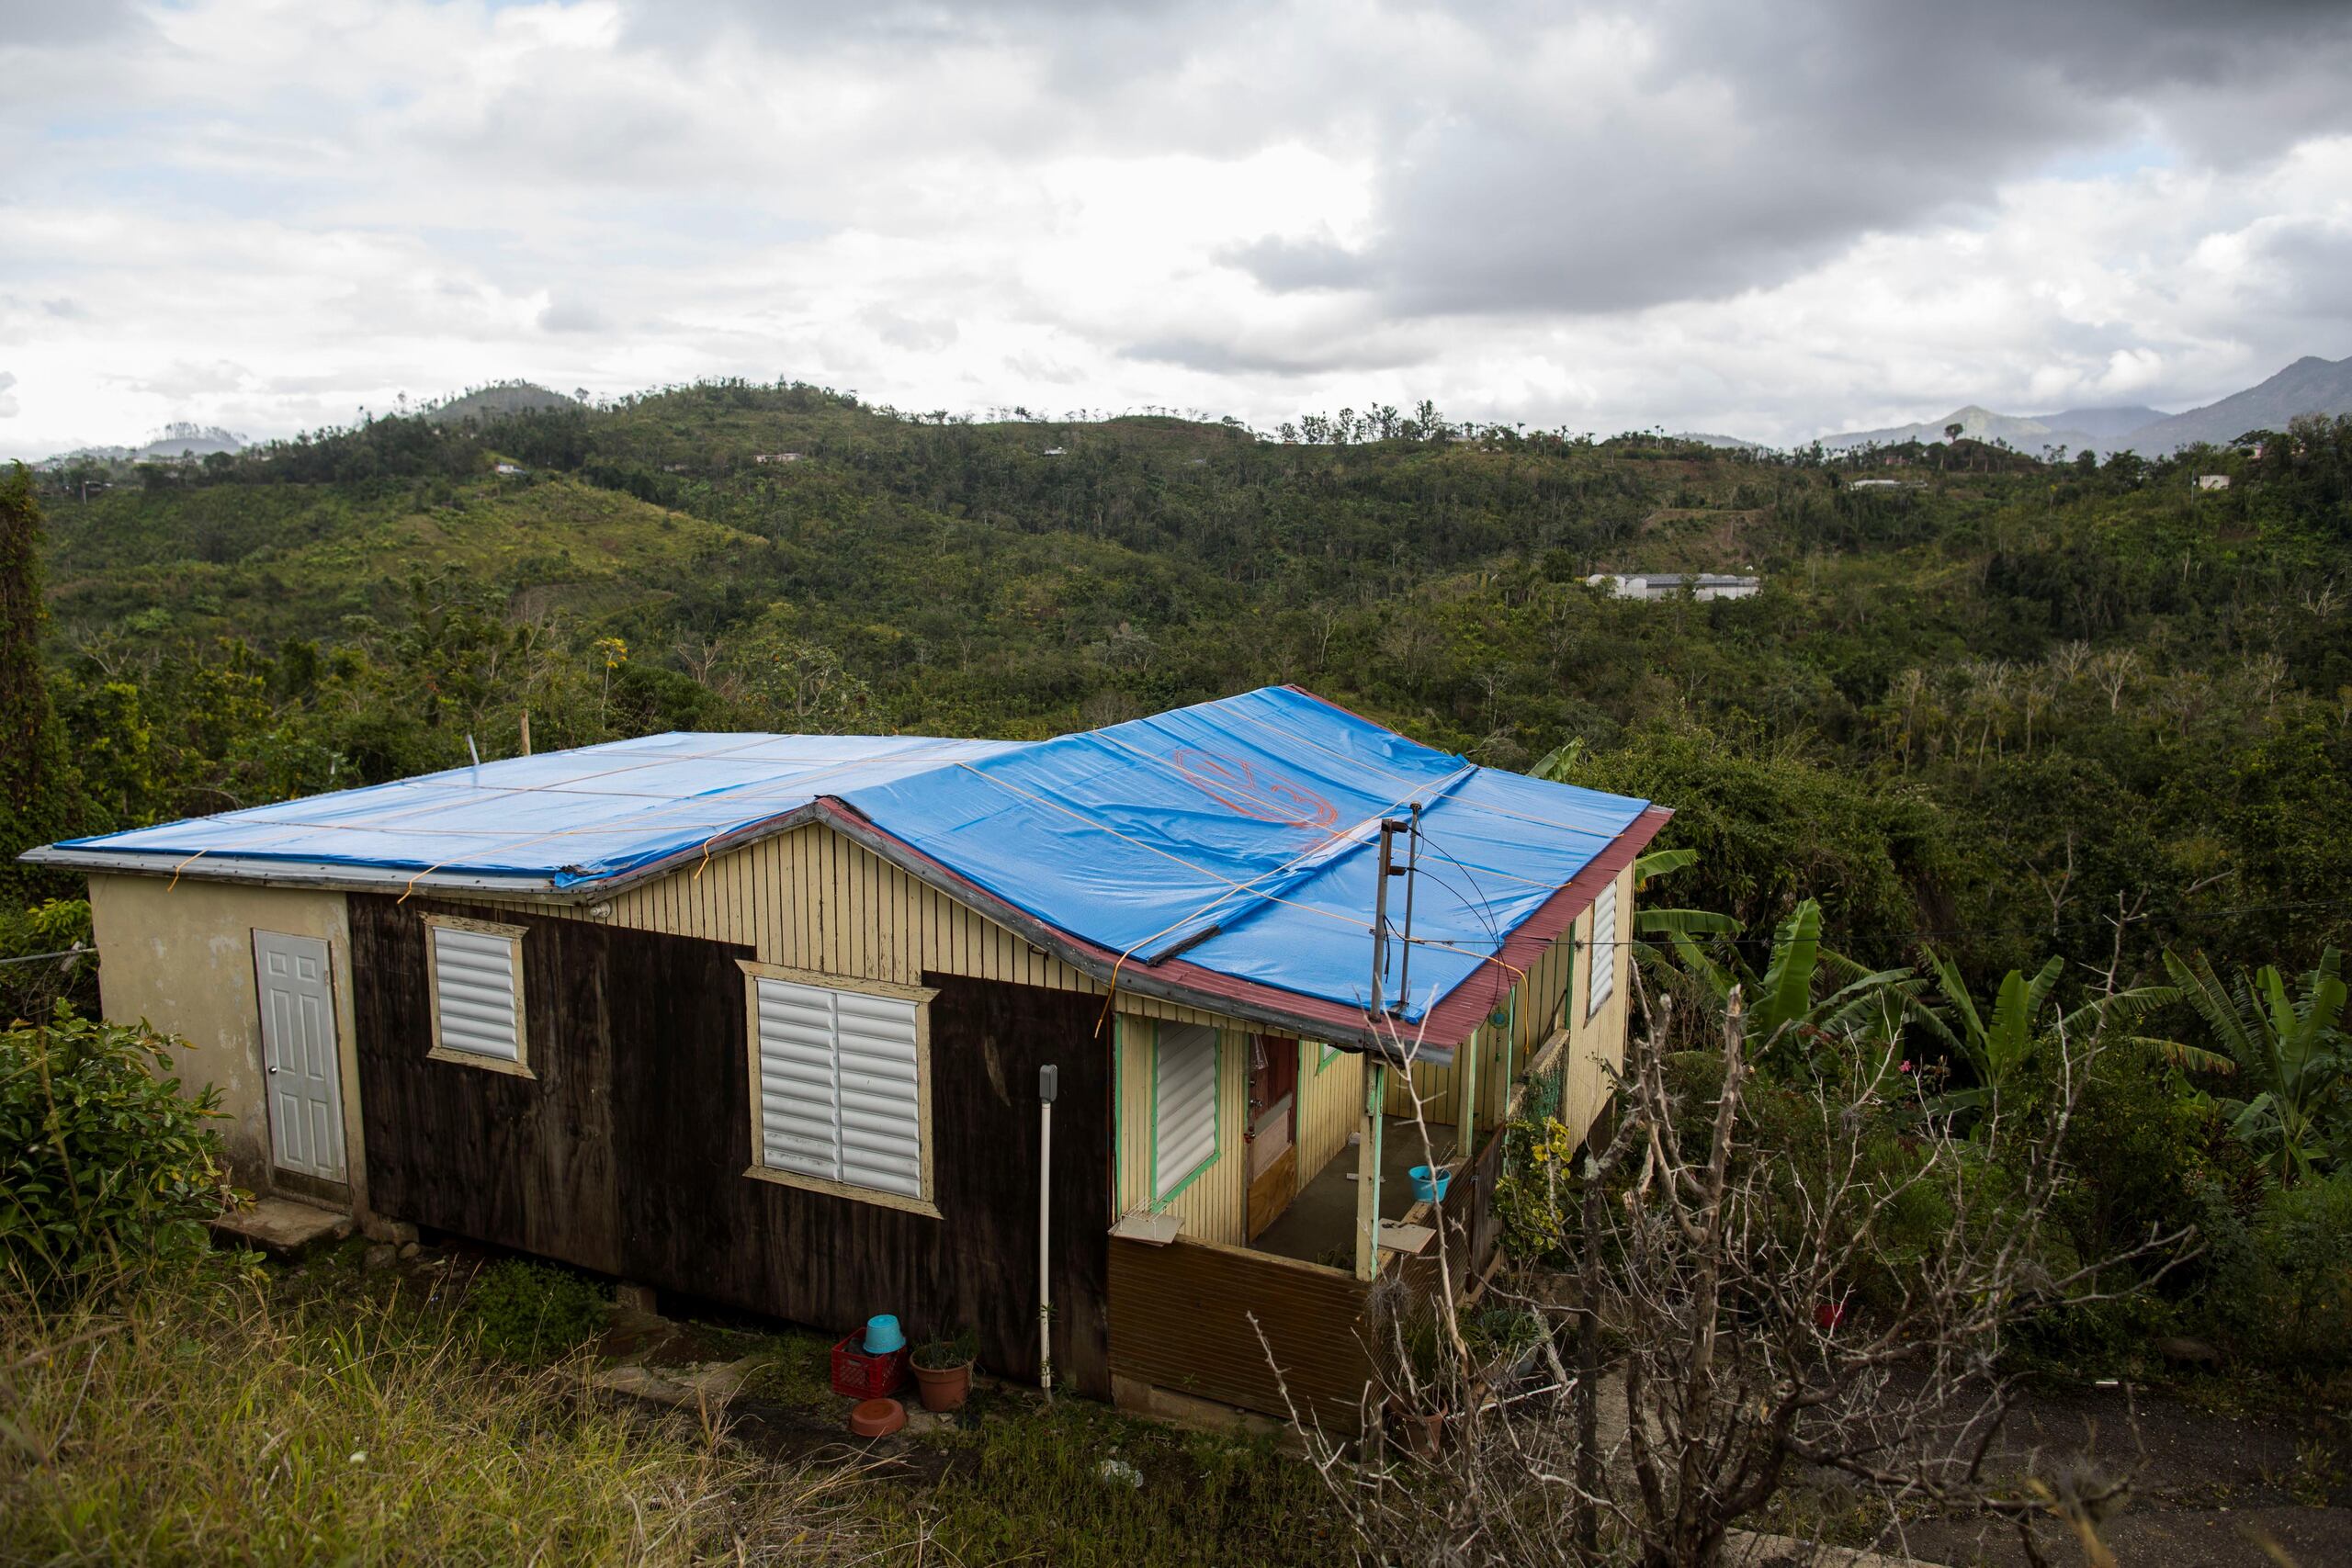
x=1427, y=1187
x=883, y=1335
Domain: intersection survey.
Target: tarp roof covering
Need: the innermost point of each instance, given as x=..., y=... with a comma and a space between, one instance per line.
x=1243, y=832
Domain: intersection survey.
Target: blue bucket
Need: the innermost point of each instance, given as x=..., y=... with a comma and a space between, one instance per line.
x=884, y=1336
x=1429, y=1188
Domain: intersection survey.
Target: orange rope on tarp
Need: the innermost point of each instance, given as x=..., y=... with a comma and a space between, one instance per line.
x=1503, y=811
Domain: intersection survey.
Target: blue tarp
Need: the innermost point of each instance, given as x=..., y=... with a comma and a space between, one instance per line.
x=1244, y=831
x=562, y=817
x=1258, y=815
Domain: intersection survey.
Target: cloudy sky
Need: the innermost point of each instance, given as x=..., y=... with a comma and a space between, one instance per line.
x=1768, y=220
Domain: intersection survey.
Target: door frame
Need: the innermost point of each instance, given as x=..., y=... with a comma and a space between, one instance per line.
x=340, y=1176
x=1270, y=1190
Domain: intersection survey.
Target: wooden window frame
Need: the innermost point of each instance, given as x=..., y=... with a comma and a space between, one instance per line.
x=1325, y=1057
x=920, y=996
x=1159, y=1201
x=520, y=1067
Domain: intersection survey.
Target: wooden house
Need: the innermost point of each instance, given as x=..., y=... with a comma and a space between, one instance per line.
x=759, y=1019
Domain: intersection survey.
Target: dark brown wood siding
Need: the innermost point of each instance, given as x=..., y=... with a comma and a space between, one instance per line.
x=627, y=1153
x=1180, y=1319
x=526, y=1163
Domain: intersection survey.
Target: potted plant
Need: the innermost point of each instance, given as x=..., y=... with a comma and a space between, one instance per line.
x=942, y=1369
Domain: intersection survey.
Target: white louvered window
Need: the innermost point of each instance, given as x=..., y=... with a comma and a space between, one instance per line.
x=476, y=973
x=839, y=1080
x=1603, y=980
x=1184, y=1106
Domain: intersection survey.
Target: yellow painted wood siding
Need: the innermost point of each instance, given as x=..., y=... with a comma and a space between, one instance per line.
x=1215, y=1204
x=1330, y=1102
x=1436, y=1087
x=1600, y=1038
x=1532, y=1017
x=812, y=899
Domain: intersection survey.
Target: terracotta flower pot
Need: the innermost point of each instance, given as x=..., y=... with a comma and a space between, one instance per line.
x=942, y=1388
x=1419, y=1432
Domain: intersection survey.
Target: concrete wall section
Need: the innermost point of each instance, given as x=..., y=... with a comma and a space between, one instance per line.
x=180, y=957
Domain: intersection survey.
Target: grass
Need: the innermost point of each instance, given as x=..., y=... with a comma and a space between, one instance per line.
x=444, y=1415
x=1074, y=1484
x=258, y=1419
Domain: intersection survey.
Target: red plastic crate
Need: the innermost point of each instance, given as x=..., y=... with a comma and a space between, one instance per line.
x=857, y=1375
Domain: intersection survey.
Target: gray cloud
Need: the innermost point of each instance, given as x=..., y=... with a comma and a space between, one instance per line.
x=561, y=315
x=1738, y=144
x=34, y=24
x=1770, y=219
x=8, y=409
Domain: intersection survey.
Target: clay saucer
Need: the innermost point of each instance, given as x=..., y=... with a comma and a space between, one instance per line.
x=876, y=1417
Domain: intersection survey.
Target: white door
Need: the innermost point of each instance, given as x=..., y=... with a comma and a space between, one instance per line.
x=299, y=1053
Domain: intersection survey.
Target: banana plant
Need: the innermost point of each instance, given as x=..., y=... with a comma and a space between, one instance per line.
x=1651, y=927
x=2288, y=1048
x=1996, y=1048
x=1783, y=1013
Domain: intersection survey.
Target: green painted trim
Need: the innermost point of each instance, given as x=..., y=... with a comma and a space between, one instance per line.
x=1465, y=1089
x=1217, y=1118
x=1375, y=1099
x=1511, y=1049
x=1331, y=1055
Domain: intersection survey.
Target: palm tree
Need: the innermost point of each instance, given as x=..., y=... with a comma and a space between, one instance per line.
x=1994, y=1048
x=2288, y=1049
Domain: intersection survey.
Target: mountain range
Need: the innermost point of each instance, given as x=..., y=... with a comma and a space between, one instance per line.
x=176, y=440
x=2311, y=385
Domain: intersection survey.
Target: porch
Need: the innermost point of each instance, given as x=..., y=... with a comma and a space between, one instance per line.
x=1319, y=1226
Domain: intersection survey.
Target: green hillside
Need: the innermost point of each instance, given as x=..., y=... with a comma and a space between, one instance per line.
x=299, y=559
x=1987, y=700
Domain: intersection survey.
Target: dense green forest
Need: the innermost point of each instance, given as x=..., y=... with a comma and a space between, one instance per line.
x=1993, y=703
x=2006, y=711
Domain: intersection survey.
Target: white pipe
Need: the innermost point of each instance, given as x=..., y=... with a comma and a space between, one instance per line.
x=1044, y=1235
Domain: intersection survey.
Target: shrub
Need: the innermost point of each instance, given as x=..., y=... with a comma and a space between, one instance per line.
x=2279, y=1292
x=106, y=1168
x=31, y=989
x=530, y=1313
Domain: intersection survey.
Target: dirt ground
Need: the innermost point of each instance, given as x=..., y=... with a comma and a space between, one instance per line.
x=2208, y=1488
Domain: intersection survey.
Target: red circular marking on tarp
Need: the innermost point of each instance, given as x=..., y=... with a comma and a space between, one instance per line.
x=1253, y=791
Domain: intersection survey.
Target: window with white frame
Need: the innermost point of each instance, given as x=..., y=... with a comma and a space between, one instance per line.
x=1184, y=1106
x=1602, y=979
x=474, y=970
x=840, y=1087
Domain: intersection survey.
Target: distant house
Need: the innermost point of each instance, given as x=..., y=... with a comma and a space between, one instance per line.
x=1056, y=452
x=1667, y=584
x=759, y=1019
x=1874, y=484
x=2212, y=482
x=509, y=470
x=776, y=456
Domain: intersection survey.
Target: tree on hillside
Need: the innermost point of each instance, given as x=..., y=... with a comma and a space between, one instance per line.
x=35, y=779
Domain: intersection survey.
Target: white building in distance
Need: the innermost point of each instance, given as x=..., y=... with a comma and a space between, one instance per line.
x=1667, y=584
